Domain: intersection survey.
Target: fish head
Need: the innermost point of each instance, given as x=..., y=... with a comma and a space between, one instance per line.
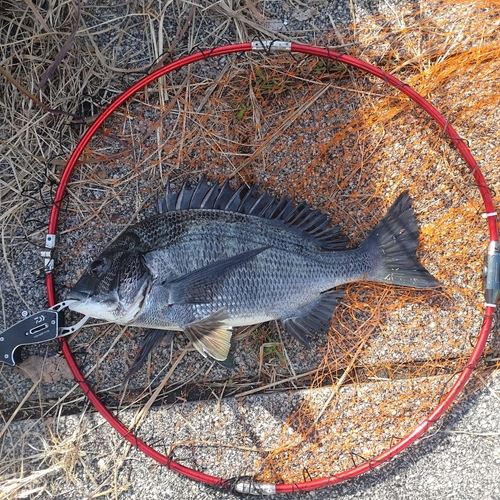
x=113, y=287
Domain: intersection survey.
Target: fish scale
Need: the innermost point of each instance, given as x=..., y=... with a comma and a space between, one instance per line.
x=270, y=276
x=215, y=258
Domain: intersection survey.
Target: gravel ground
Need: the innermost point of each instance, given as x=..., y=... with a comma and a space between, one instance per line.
x=458, y=459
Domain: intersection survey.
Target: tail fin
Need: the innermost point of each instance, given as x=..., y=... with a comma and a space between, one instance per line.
x=395, y=239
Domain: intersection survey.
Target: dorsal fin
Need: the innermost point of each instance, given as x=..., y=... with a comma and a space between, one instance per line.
x=184, y=196
x=301, y=218
x=224, y=196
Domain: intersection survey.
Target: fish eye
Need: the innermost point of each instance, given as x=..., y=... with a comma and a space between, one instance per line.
x=98, y=267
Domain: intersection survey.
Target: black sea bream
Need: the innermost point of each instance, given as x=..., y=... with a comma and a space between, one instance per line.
x=215, y=258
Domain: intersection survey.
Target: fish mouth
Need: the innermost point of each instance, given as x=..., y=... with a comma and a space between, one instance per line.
x=77, y=295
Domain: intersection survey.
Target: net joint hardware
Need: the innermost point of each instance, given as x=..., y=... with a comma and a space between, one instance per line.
x=491, y=274
x=254, y=488
x=271, y=45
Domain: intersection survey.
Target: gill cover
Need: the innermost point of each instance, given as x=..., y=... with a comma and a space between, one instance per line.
x=113, y=287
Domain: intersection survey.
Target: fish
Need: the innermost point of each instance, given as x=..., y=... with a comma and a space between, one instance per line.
x=216, y=258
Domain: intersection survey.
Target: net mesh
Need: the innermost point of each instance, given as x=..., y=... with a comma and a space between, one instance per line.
x=346, y=143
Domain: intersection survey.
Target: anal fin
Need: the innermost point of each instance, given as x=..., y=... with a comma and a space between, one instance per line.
x=210, y=336
x=312, y=317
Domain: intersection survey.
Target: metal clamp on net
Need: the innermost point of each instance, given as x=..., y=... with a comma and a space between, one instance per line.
x=491, y=274
x=35, y=328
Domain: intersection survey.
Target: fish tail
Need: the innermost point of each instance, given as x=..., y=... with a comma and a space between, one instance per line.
x=394, y=242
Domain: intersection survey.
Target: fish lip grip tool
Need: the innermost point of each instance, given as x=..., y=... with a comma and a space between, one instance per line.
x=35, y=328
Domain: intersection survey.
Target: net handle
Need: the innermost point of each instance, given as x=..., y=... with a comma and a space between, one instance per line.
x=272, y=46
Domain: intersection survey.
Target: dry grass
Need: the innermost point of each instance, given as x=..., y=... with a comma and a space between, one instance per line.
x=321, y=132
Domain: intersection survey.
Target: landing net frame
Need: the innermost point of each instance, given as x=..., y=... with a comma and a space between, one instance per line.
x=245, y=486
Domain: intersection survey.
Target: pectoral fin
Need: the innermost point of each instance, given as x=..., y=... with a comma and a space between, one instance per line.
x=211, y=336
x=200, y=286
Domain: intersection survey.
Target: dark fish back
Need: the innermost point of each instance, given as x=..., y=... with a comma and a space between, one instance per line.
x=300, y=219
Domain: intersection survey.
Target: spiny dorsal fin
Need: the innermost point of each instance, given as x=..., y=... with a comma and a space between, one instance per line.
x=300, y=218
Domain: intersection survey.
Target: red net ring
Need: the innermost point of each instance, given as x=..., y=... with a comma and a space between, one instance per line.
x=448, y=131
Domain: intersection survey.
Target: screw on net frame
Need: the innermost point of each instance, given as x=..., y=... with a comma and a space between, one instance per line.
x=491, y=271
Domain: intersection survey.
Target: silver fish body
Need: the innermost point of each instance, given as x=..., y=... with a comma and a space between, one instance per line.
x=215, y=258
x=285, y=273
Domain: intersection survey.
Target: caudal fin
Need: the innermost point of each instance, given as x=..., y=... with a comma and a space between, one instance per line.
x=395, y=240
